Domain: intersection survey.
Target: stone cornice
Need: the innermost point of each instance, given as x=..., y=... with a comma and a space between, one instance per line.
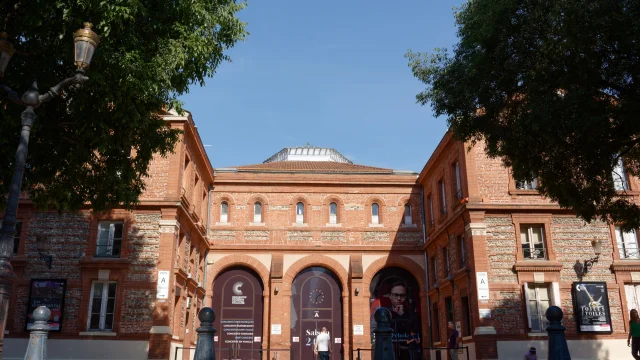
x=625, y=265
x=537, y=266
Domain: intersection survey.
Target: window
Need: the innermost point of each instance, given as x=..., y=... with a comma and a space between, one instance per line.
x=462, y=252
x=448, y=304
x=619, y=175
x=257, y=212
x=300, y=213
x=333, y=213
x=224, y=212
x=443, y=197
x=375, y=213
x=432, y=277
x=109, y=239
x=538, y=301
x=408, y=217
x=435, y=323
x=527, y=185
x=466, y=318
x=627, y=244
x=431, y=216
x=456, y=173
x=632, y=292
x=16, y=237
x=102, y=305
x=532, y=239
x=445, y=259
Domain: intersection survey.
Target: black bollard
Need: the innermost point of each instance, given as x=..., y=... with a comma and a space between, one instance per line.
x=204, y=346
x=558, y=348
x=383, y=332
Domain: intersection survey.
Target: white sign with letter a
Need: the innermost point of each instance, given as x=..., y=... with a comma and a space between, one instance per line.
x=483, y=285
x=162, y=292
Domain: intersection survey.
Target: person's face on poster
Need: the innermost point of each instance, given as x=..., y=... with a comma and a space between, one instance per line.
x=398, y=296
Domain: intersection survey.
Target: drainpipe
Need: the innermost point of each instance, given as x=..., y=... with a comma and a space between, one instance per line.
x=426, y=265
x=206, y=254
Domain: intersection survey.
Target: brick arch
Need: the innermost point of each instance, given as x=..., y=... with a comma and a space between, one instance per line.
x=325, y=208
x=307, y=207
x=397, y=261
x=318, y=260
x=241, y=260
x=251, y=201
x=413, y=201
x=382, y=208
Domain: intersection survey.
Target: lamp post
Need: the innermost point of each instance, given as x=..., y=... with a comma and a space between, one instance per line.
x=86, y=41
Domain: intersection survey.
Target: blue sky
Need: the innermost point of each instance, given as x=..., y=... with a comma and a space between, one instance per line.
x=331, y=73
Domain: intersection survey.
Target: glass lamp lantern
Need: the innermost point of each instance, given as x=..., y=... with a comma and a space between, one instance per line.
x=86, y=41
x=6, y=52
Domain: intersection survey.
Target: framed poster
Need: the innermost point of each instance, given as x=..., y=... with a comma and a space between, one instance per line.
x=49, y=293
x=592, y=307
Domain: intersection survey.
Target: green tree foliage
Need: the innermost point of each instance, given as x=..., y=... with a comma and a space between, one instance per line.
x=82, y=142
x=553, y=89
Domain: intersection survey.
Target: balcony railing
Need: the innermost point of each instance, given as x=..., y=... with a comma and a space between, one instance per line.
x=632, y=253
x=108, y=250
x=534, y=254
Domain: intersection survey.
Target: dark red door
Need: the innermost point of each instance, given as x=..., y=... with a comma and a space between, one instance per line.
x=316, y=301
x=237, y=301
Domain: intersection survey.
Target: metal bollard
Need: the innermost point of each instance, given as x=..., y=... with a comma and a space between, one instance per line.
x=37, y=348
x=558, y=348
x=204, y=346
x=383, y=332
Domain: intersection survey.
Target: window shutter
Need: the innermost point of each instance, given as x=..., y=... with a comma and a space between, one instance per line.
x=112, y=231
x=526, y=297
x=555, y=288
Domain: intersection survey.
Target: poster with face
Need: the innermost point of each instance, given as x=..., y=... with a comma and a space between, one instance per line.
x=592, y=307
x=397, y=290
x=49, y=293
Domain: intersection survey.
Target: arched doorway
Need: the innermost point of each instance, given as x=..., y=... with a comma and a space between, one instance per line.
x=238, y=303
x=398, y=291
x=316, y=302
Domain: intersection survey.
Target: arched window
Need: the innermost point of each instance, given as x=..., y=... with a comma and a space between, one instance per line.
x=408, y=219
x=300, y=213
x=224, y=212
x=257, y=212
x=375, y=213
x=333, y=213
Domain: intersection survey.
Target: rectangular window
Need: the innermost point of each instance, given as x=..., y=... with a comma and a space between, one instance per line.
x=16, y=237
x=527, y=185
x=445, y=259
x=538, y=301
x=435, y=322
x=300, y=213
x=375, y=212
x=627, y=244
x=532, y=238
x=257, y=212
x=462, y=253
x=619, y=175
x=109, y=239
x=632, y=292
x=102, y=306
x=448, y=304
x=443, y=197
x=456, y=174
x=432, y=268
x=466, y=318
x=431, y=215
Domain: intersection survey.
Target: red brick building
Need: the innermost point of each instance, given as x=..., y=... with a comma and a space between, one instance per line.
x=308, y=239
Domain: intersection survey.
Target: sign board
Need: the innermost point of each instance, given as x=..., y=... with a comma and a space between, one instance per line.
x=276, y=329
x=49, y=293
x=358, y=329
x=485, y=313
x=591, y=302
x=338, y=340
x=296, y=339
x=163, y=285
x=482, y=281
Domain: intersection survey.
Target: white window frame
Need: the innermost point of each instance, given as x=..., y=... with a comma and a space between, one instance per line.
x=408, y=218
x=333, y=213
x=620, y=180
x=527, y=185
x=375, y=215
x=224, y=212
x=456, y=167
x=300, y=213
x=553, y=290
x=529, y=243
x=111, y=240
x=103, y=306
x=632, y=293
x=443, y=197
x=627, y=244
x=257, y=212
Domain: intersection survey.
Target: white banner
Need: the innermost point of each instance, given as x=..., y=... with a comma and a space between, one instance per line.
x=482, y=280
x=163, y=285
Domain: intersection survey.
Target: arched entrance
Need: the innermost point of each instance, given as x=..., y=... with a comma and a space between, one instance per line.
x=238, y=303
x=316, y=302
x=397, y=290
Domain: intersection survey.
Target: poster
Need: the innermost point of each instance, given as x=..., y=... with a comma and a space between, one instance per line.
x=358, y=329
x=397, y=290
x=276, y=329
x=592, y=307
x=482, y=280
x=162, y=291
x=49, y=293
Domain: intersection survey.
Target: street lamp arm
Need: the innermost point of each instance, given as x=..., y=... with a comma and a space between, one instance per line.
x=12, y=95
x=76, y=80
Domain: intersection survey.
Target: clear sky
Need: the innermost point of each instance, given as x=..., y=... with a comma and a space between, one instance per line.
x=331, y=73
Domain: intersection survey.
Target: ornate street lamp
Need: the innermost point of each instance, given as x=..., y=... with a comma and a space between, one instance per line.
x=86, y=42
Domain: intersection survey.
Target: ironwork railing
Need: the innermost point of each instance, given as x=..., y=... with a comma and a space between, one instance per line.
x=534, y=254
x=414, y=354
x=108, y=250
x=629, y=253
